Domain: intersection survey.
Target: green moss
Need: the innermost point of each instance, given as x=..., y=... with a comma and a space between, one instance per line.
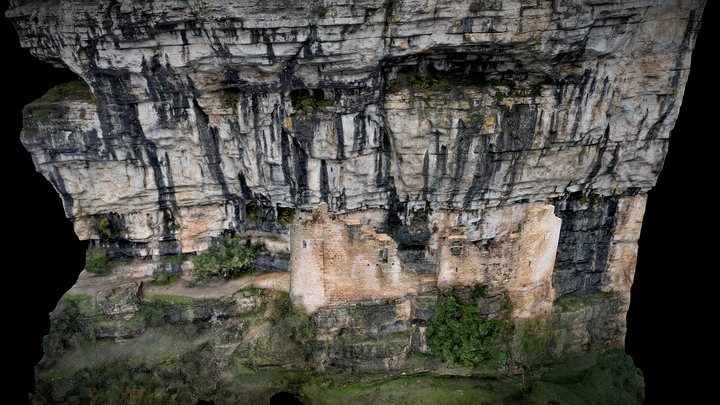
x=105, y=227
x=308, y=104
x=320, y=11
x=165, y=279
x=605, y=378
x=295, y=323
x=154, y=314
x=534, y=342
x=231, y=259
x=98, y=262
x=574, y=302
x=285, y=216
x=393, y=88
x=75, y=298
x=430, y=82
x=251, y=209
x=156, y=309
x=479, y=291
x=134, y=322
x=45, y=112
x=75, y=305
x=230, y=98
x=286, y=339
x=171, y=299
x=536, y=90
x=74, y=90
x=459, y=336
x=417, y=390
x=49, y=105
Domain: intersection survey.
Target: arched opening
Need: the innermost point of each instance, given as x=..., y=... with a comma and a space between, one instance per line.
x=285, y=397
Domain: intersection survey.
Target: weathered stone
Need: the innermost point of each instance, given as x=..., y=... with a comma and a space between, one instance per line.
x=121, y=300
x=384, y=153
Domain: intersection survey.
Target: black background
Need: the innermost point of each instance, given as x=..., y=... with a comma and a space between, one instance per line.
x=669, y=315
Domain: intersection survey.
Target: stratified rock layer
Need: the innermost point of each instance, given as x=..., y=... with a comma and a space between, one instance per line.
x=386, y=154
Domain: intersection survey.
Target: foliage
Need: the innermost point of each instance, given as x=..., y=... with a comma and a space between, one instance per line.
x=296, y=324
x=108, y=225
x=574, y=302
x=165, y=279
x=98, y=262
x=458, y=335
x=417, y=390
x=75, y=304
x=48, y=106
x=157, y=308
x=285, y=216
x=393, y=88
x=320, y=11
x=308, y=103
x=534, y=343
x=230, y=98
x=229, y=260
x=591, y=378
x=182, y=300
x=105, y=227
x=154, y=315
x=430, y=82
x=536, y=90
x=251, y=209
x=44, y=112
x=479, y=291
x=287, y=338
x=74, y=90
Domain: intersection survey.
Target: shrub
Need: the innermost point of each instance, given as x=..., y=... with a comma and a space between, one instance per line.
x=98, y=262
x=309, y=101
x=320, y=11
x=458, y=335
x=105, y=227
x=285, y=216
x=165, y=279
x=229, y=260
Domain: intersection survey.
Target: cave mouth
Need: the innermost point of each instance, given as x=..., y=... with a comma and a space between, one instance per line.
x=285, y=397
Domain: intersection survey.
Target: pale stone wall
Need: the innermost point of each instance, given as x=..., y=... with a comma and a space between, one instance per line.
x=307, y=269
x=521, y=263
x=624, y=247
x=334, y=262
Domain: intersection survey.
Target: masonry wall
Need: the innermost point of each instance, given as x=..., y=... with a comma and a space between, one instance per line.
x=334, y=262
x=521, y=263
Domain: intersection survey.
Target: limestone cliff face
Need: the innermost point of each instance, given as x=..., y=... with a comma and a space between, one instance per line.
x=452, y=144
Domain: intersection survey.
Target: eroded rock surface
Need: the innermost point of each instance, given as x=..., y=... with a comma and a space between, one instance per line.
x=386, y=154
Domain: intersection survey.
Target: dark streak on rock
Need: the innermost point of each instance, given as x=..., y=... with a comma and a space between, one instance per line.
x=210, y=145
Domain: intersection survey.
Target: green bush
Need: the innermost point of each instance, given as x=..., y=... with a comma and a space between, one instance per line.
x=105, y=227
x=165, y=279
x=229, y=260
x=98, y=262
x=458, y=335
x=285, y=216
x=309, y=104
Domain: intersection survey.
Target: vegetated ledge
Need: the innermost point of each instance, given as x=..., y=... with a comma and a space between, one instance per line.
x=253, y=344
x=117, y=338
x=51, y=103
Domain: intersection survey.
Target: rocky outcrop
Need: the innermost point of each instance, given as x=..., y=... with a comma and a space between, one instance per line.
x=385, y=154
